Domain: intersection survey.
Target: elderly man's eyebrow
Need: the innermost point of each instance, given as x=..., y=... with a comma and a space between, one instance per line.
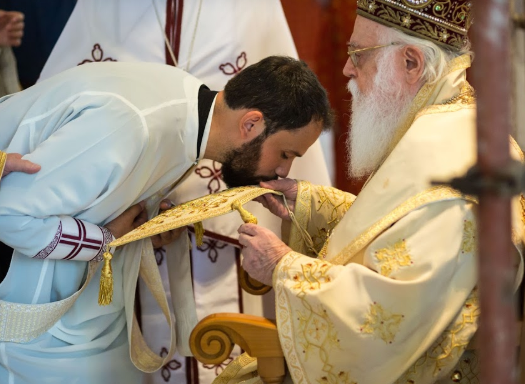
x=352, y=45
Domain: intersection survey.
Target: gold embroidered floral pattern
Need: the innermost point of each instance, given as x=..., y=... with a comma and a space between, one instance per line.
x=193, y=211
x=468, y=245
x=317, y=337
x=332, y=204
x=315, y=333
x=466, y=96
x=382, y=323
x=313, y=276
x=392, y=258
x=446, y=351
x=431, y=195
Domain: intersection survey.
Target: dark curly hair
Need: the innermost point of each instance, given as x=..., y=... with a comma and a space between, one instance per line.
x=285, y=90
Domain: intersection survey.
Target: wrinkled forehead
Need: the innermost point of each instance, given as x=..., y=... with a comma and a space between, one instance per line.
x=366, y=33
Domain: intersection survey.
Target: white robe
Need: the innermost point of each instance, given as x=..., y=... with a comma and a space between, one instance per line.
x=107, y=136
x=216, y=41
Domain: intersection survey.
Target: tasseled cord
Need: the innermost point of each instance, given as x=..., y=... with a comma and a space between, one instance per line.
x=199, y=233
x=246, y=216
x=105, y=294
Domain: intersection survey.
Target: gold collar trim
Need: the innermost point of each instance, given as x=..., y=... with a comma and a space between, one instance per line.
x=428, y=196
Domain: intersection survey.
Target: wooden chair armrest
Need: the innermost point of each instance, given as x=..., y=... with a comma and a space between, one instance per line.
x=250, y=285
x=213, y=338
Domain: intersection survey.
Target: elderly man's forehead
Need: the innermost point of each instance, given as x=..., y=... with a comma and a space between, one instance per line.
x=366, y=33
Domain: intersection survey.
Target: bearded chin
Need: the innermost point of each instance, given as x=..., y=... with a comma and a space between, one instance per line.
x=375, y=120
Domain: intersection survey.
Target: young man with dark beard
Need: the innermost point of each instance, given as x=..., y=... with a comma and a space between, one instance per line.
x=390, y=295
x=109, y=136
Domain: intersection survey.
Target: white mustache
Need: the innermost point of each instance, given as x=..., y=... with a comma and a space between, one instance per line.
x=351, y=87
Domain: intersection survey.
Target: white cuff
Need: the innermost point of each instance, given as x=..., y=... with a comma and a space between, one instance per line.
x=77, y=240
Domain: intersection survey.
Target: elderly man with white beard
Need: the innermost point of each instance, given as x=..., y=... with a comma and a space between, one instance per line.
x=382, y=288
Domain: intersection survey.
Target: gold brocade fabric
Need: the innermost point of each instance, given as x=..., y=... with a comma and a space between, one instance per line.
x=242, y=370
x=3, y=158
x=21, y=323
x=426, y=197
x=194, y=211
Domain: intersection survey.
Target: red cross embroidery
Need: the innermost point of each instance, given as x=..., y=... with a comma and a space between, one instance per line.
x=79, y=242
x=214, y=173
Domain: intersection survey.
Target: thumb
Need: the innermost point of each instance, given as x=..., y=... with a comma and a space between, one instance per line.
x=15, y=163
x=26, y=166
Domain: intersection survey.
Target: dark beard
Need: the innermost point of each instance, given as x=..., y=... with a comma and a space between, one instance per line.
x=240, y=167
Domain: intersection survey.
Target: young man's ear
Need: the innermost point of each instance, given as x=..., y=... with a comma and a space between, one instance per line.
x=251, y=124
x=414, y=62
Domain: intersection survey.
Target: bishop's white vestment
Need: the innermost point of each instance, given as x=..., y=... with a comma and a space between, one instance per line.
x=384, y=289
x=107, y=136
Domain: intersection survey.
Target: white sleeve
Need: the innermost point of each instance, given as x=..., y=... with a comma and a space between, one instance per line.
x=83, y=161
x=77, y=240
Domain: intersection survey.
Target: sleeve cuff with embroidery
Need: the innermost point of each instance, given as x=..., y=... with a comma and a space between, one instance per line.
x=77, y=240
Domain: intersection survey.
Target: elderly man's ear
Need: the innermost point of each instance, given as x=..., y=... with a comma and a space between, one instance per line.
x=414, y=64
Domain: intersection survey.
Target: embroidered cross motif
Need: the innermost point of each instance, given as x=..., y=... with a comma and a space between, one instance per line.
x=390, y=259
x=232, y=69
x=211, y=246
x=97, y=54
x=80, y=241
x=382, y=323
x=214, y=173
x=219, y=367
x=171, y=365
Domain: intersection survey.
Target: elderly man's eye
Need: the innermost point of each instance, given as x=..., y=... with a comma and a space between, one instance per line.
x=284, y=156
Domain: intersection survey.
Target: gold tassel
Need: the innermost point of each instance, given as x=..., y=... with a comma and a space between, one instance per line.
x=246, y=216
x=199, y=233
x=105, y=294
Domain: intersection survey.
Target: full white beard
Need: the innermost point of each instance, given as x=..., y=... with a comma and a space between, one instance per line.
x=375, y=118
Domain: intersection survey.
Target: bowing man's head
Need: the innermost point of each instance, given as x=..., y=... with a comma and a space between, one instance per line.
x=279, y=109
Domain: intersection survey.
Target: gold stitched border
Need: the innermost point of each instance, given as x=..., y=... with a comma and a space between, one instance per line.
x=284, y=321
x=3, y=158
x=429, y=196
x=232, y=369
x=194, y=211
x=302, y=213
x=433, y=109
x=22, y=323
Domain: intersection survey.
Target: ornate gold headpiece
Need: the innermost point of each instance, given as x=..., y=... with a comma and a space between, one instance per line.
x=444, y=22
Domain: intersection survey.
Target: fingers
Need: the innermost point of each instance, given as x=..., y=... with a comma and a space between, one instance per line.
x=166, y=237
x=140, y=219
x=15, y=163
x=13, y=22
x=166, y=204
x=278, y=185
x=134, y=211
x=248, y=229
